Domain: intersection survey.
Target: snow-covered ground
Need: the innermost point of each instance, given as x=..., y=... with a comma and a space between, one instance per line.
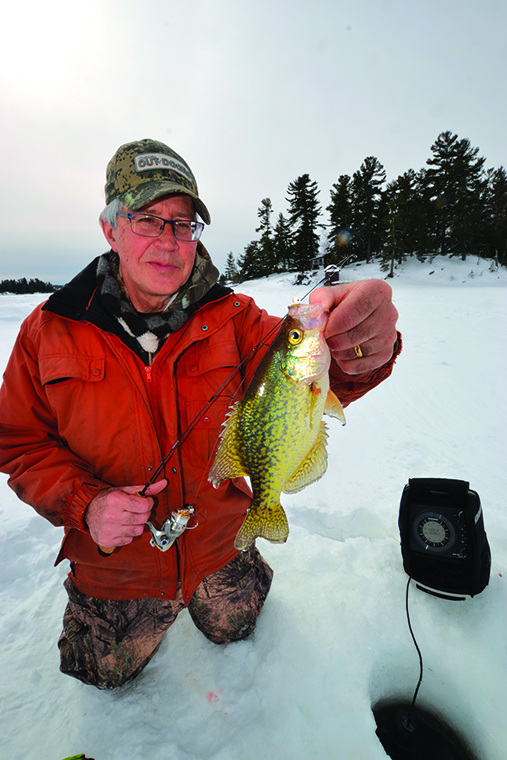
x=333, y=638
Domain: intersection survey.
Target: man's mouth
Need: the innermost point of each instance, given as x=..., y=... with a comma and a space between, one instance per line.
x=163, y=267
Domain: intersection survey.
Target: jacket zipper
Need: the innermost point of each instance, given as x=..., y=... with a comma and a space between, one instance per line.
x=147, y=369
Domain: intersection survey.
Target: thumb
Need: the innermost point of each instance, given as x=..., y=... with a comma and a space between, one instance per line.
x=156, y=487
x=327, y=298
x=152, y=490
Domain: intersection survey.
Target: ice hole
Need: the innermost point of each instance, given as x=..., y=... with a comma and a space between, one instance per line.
x=441, y=725
x=417, y=734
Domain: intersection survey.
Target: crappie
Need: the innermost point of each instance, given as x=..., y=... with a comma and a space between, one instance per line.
x=275, y=434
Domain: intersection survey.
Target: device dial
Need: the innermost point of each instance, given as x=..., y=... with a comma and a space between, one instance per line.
x=434, y=532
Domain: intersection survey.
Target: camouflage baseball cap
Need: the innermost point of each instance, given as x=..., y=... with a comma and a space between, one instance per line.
x=142, y=171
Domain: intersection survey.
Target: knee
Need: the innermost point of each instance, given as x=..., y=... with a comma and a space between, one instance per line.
x=78, y=662
x=236, y=632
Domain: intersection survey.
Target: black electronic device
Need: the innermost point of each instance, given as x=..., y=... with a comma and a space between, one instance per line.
x=443, y=542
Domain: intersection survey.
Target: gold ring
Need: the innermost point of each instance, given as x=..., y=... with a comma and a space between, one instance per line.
x=358, y=351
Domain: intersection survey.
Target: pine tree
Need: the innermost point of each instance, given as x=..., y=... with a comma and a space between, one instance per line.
x=424, y=232
x=457, y=185
x=392, y=246
x=282, y=248
x=231, y=273
x=340, y=219
x=258, y=259
x=367, y=201
x=406, y=215
x=250, y=264
x=496, y=211
x=304, y=211
x=265, y=244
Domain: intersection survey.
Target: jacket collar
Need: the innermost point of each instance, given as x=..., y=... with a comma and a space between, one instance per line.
x=80, y=300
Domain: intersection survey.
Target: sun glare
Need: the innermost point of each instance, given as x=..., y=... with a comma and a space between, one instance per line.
x=48, y=47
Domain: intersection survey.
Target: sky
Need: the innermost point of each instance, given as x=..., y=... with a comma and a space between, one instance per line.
x=252, y=95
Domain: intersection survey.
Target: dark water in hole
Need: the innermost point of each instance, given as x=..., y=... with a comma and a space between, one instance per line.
x=424, y=737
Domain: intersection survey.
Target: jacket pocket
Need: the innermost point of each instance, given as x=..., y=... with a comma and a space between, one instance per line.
x=81, y=406
x=59, y=368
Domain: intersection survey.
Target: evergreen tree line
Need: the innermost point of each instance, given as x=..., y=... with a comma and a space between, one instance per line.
x=452, y=206
x=26, y=286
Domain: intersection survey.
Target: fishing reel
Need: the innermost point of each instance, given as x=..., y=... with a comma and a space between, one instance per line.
x=172, y=528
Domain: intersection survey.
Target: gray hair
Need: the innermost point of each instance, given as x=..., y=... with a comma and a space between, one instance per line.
x=110, y=213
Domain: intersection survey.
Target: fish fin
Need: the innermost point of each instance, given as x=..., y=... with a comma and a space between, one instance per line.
x=334, y=408
x=269, y=522
x=316, y=390
x=313, y=466
x=228, y=462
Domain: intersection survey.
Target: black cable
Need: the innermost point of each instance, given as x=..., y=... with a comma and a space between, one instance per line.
x=408, y=724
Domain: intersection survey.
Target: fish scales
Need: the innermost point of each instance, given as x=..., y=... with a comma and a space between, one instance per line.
x=275, y=434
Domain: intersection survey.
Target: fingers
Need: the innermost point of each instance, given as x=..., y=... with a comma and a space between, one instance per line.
x=375, y=336
x=375, y=353
x=152, y=490
x=117, y=515
x=157, y=487
x=350, y=304
x=361, y=315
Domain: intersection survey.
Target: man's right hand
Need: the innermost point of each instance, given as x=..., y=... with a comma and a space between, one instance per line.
x=116, y=515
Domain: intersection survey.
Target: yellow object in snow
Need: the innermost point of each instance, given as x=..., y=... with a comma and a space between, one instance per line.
x=275, y=434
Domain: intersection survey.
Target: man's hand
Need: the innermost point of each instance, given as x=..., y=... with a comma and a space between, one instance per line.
x=361, y=314
x=116, y=515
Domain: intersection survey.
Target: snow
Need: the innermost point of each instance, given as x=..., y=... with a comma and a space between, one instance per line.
x=333, y=638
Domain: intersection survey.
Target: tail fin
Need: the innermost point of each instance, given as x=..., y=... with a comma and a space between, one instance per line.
x=263, y=522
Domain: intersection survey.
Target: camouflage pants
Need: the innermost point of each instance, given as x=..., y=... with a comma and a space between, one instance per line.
x=107, y=643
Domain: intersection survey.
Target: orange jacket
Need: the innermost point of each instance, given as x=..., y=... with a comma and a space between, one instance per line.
x=79, y=412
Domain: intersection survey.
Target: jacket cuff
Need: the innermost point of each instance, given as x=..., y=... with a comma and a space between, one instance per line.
x=78, y=502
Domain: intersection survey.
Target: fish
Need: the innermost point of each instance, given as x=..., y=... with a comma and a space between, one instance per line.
x=275, y=434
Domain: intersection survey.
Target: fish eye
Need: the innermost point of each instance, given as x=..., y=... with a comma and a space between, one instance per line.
x=295, y=336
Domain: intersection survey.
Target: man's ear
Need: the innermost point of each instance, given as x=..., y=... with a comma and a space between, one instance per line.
x=110, y=235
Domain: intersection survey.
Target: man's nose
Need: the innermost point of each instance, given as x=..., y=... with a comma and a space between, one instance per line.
x=167, y=236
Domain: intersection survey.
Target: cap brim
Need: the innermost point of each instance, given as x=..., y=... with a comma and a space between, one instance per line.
x=146, y=193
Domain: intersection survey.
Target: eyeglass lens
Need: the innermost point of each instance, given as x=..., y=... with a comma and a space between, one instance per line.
x=152, y=226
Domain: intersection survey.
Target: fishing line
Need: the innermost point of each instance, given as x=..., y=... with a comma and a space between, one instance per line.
x=406, y=720
x=320, y=282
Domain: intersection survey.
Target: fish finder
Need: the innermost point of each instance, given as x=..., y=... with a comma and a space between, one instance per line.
x=443, y=541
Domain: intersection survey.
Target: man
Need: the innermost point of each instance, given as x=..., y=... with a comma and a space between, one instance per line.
x=109, y=375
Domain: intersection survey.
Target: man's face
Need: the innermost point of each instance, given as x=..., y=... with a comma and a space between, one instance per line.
x=153, y=269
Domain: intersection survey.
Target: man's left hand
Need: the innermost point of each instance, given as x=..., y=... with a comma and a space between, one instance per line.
x=362, y=320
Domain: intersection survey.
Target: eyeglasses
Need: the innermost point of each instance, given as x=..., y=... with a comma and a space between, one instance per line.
x=151, y=226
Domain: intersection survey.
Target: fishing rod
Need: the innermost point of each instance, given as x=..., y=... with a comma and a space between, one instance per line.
x=206, y=406
x=216, y=395
x=174, y=526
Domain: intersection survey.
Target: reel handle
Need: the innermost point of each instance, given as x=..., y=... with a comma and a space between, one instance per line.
x=105, y=551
